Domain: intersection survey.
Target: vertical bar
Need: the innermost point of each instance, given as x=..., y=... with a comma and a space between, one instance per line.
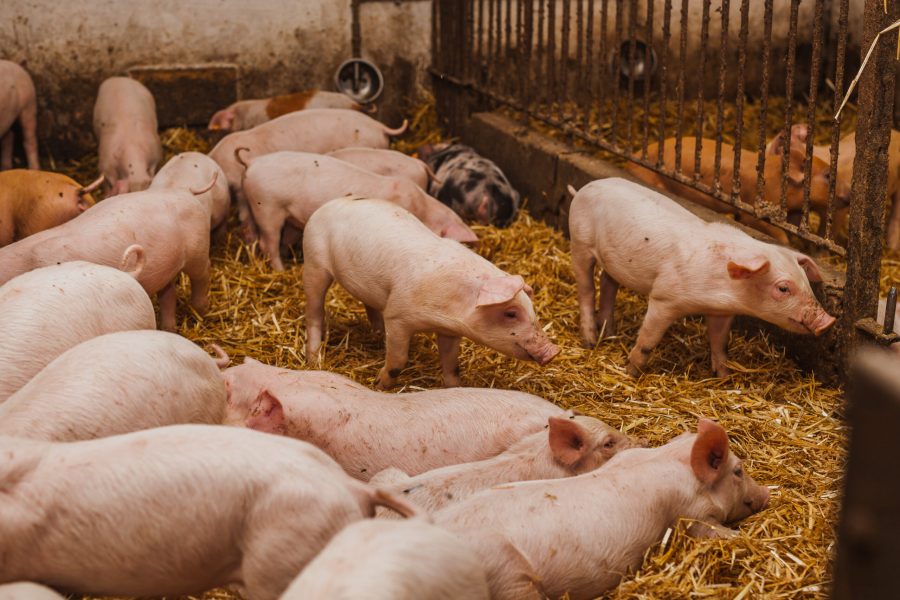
x=480, y=52
x=520, y=52
x=491, y=56
x=763, y=106
x=815, y=72
x=602, y=108
x=739, y=100
x=843, y=19
x=682, y=63
x=720, y=99
x=616, y=76
x=664, y=79
x=646, y=81
x=704, y=45
x=564, y=58
x=551, y=49
x=531, y=80
x=632, y=42
x=540, y=74
x=589, y=66
x=469, y=50
x=507, y=51
x=789, y=104
x=579, y=54
x=355, y=35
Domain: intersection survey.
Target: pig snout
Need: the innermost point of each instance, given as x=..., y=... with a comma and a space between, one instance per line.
x=756, y=498
x=817, y=321
x=540, y=349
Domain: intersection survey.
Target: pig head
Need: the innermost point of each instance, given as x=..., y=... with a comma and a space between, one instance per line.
x=503, y=318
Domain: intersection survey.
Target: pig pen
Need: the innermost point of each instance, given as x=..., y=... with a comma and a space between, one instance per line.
x=786, y=425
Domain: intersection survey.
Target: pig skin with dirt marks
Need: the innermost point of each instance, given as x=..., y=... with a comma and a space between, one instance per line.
x=411, y=281
x=18, y=102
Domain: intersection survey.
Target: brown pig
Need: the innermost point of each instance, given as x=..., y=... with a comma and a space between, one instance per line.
x=17, y=101
x=818, y=195
x=126, y=129
x=413, y=281
x=247, y=114
x=45, y=312
x=154, y=234
x=32, y=201
x=583, y=533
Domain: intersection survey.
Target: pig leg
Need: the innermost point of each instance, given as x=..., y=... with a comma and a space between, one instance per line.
x=6, y=150
x=605, y=317
x=583, y=263
x=199, y=276
x=396, y=339
x=316, y=282
x=166, y=298
x=270, y=244
x=28, y=119
x=657, y=320
x=376, y=320
x=718, y=327
x=448, y=349
x=245, y=218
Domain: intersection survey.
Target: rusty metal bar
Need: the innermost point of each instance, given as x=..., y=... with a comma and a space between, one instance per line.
x=604, y=58
x=682, y=60
x=789, y=105
x=647, y=78
x=664, y=79
x=531, y=80
x=480, y=42
x=469, y=50
x=579, y=54
x=355, y=34
x=704, y=44
x=763, y=105
x=589, y=65
x=843, y=19
x=629, y=102
x=720, y=99
x=551, y=47
x=739, y=100
x=507, y=47
x=815, y=72
x=616, y=76
x=890, y=311
x=564, y=56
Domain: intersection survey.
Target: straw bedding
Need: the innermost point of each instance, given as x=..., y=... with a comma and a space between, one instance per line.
x=787, y=426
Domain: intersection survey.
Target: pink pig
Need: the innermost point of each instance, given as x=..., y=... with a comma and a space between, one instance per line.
x=154, y=234
x=18, y=101
x=126, y=128
x=193, y=171
x=569, y=446
x=411, y=280
x=287, y=187
x=118, y=383
x=317, y=130
x=29, y=591
x=583, y=533
x=379, y=560
x=686, y=266
x=387, y=162
x=367, y=431
x=45, y=312
x=173, y=511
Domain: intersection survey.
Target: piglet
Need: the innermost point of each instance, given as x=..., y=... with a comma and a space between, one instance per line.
x=411, y=280
x=32, y=201
x=153, y=234
x=569, y=446
x=287, y=187
x=126, y=128
x=45, y=312
x=193, y=171
x=367, y=431
x=387, y=162
x=29, y=591
x=118, y=383
x=317, y=130
x=173, y=511
x=380, y=560
x=583, y=533
x=471, y=184
x=18, y=101
x=686, y=266
x=247, y=114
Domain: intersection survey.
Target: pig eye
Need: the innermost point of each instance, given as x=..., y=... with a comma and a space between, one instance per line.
x=510, y=314
x=739, y=472
x=784, y=289
x=609, y=443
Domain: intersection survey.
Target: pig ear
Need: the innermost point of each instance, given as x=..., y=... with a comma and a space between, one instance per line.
x=709, y=452
x=810, y=267
x=567, y=440
x=483, y=211
x=266, y=414
x=459, y=232
x=498, y=290
x=529, y=290
x=747, y=268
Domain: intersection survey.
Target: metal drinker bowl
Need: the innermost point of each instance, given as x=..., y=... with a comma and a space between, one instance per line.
x=359, y=79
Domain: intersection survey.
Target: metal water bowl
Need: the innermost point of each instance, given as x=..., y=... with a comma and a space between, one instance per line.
x=359, y=79
x=633, y=60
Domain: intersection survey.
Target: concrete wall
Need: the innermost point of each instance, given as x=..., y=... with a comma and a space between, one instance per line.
x=70, y=47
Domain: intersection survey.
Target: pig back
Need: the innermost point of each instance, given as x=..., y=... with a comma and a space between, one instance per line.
x=45, y=312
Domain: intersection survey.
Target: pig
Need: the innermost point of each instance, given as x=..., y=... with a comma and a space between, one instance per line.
x=32, y=201
x=155, y=235
x=45, y=312
x=287, y=187
x=818, y=195
x=193, y=171
x=411, y=280
x=118, y=383
x=18, y=101
x=247, y=114
x=584, y=532
x=568, y=446
x=126, y=128
x=318, y=130
x=30, y=591
x=367, y=431
x=686, y=266
x=471, y=185
x=380, y=560
x=173, y=511
x=387, y=162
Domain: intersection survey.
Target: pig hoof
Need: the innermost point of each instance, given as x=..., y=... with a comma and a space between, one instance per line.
x=633, y=370
x=722, y=371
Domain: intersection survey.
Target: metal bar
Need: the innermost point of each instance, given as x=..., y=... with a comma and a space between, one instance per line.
x=682, y=60
x=551, y=46
x=480, y=42
x=720, y=99
x=789, y=103
x=764, y=104
x=489, y=71
x=579, y=54
x=646, y=81
x=616, y=76
x=469, y=50
x=664, y=78
x=539, y=59
x=564, y=56
x=528, y=96
x=843, y=19
x=632, y=42
x=890, y=311
x=704, y=44
x=815, y=72
x=589, y=65
x=355, y=34
x=739, y=100
x=604, y=57
x=507, y=46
